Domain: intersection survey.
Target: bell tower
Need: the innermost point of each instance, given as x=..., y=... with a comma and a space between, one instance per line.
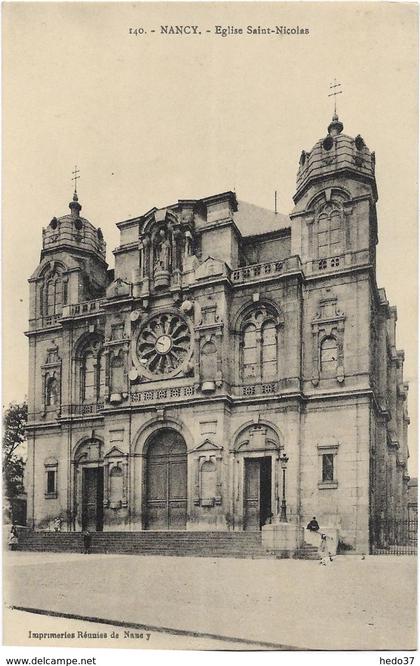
x=72, y=268
x=334, y=218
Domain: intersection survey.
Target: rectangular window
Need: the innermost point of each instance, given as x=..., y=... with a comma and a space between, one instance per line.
x=51, y=478
x=327, y=467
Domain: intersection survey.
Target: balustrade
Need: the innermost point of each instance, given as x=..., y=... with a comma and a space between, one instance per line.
x=83, y=309
x=267, y=269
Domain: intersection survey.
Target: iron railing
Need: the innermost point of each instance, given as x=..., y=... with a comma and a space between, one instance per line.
x=393, y=536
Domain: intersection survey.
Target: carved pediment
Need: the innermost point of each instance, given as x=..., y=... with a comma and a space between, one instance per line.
x=119, y=288
x=258, y=444
x=208, y=445
x=328, y=309
x=51, y=462
x=210, y=268
x=115, y=452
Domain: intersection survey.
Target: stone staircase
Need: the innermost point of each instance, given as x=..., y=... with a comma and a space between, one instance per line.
x=190, y=544
x=307, y=552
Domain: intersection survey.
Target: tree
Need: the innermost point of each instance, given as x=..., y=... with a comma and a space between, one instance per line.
x=14, y=425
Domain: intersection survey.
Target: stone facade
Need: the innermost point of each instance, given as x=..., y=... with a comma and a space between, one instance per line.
x=163, y=393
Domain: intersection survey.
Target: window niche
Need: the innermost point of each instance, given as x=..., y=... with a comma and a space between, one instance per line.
x=116, y=486
x=328, y=356
x=208, y=482
x=208, y=364
x=51, y=382
x=117, y=373
x=208, y=475
x=115, y=479
x=327, y=465
x=51, y=391
x=328, y=340
x=209, y=334
x=51, y=469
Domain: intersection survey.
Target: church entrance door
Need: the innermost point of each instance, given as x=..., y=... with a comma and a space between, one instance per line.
x=257, y=495
x=92, y=499
x=166, y=482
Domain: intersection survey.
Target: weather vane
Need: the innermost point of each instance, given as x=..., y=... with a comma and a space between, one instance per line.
x=334, y=93
x=75, y=177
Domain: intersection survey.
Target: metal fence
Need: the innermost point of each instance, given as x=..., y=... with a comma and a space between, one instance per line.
x=393, y=537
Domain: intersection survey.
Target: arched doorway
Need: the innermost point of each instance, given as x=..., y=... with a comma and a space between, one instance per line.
x=166, y=481
x=256, y=475
x=89, y=486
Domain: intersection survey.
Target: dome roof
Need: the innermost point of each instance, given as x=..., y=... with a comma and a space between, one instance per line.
x=336, y=152
x=73, y=230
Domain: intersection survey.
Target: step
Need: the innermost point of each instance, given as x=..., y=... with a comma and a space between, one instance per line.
x=306, y=554
x=175, y=543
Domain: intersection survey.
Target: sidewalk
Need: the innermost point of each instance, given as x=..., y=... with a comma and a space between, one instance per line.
x=352, y=604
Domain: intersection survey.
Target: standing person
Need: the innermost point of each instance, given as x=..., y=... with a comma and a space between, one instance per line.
x=13, y=538
x=313, y=525
x=87, y=539
x=324, y=551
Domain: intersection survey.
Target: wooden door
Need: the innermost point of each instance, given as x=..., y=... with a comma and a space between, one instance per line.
x=92, y=499
x=265, y=490
x=252, y=494
x=166, y=482
x=257, y=492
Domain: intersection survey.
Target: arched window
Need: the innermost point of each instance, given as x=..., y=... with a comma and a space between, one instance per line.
x=269, y=351
x=58, y=295
x=52, y=293
x=330, y=233
x=92, y=371
x=51, y=397
x=249, y=360
x=259, y=345
x=50, y=297
x=328, y=356
x=88, y=373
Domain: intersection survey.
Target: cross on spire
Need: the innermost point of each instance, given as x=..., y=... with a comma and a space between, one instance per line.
x=334, y=93
x=75, y=177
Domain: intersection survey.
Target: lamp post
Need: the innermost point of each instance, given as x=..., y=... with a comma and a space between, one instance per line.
x=283, y=462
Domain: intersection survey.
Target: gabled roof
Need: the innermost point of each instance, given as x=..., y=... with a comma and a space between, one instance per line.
x=251, y=219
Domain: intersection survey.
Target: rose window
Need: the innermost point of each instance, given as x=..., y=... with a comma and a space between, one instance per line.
x=163, y=344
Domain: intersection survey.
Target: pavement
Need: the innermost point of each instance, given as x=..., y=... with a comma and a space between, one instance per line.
x=206, y=603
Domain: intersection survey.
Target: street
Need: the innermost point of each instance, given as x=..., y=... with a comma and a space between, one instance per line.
x=351, y=604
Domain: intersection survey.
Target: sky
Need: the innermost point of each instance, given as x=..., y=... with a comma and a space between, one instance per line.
x=152, y=118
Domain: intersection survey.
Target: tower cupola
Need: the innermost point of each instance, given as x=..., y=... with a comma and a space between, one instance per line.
x=72, y=231
x=334, y=156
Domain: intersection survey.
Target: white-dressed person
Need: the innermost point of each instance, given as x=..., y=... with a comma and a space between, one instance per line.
x=324, y=551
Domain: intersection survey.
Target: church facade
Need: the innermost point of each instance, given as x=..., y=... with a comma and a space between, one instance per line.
x=234, y=361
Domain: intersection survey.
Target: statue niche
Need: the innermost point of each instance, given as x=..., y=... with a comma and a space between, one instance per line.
x=162, y=260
